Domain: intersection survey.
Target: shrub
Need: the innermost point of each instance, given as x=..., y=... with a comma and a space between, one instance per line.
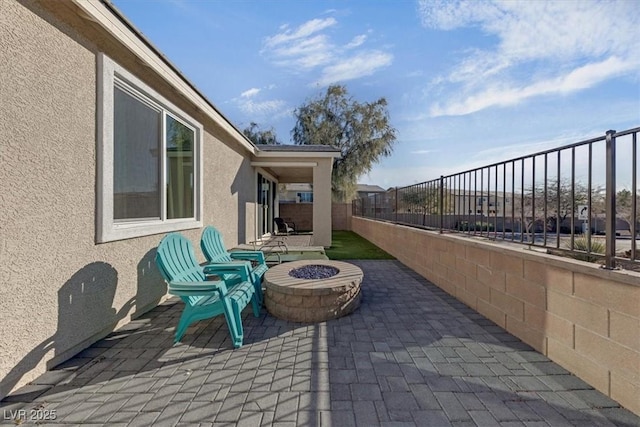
x=478, y=226
x=581, y=244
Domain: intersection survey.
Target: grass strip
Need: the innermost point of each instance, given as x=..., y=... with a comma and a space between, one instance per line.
x=349, y=245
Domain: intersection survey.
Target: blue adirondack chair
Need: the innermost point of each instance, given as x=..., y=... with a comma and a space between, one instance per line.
x=205, y=299
x=215, y=252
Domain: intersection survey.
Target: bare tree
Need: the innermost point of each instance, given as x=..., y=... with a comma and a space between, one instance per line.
x=425, y=199
x=559, y=201
x=624, y=207
x=546, y=207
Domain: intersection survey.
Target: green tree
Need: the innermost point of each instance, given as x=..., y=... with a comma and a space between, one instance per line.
x=260, y=136
x=361, y=131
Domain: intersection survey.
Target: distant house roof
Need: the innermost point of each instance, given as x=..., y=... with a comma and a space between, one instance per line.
x=366, y=188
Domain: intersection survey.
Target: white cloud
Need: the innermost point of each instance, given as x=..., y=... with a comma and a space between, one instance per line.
x=356, y=41
x=305, y=53
x=544, y=47
x=363, y=64
x=301, y=47
x=422, y=151
x=499, y=95
x=250, y=93
x=542, y=29
x=303, y=31
x=249, y=102
x=309, y=48
x=415, y=73
x=262, y=108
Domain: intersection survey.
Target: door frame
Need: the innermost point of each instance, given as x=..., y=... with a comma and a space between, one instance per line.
x=265, y=213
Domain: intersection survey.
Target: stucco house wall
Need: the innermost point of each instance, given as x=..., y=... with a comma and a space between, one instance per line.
x=61, y=290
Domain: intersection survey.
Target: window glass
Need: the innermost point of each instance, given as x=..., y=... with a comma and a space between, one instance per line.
x=136, y=169
x=306, y=197
x=180, y=142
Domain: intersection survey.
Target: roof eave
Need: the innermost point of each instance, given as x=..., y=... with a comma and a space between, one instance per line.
x=105, y=14
x=298, y=154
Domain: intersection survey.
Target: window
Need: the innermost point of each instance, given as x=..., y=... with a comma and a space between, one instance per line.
x=305, y=197
x=149, y=160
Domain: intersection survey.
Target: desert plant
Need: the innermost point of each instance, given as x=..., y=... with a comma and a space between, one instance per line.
x=585, y=253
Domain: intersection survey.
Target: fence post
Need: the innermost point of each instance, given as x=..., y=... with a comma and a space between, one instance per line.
x=375, y=205
x=441, y=203
x=610, y=201
x=634, y=197
x=396, y=202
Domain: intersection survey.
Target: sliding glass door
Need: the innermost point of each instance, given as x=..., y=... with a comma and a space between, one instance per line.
x=266, y=204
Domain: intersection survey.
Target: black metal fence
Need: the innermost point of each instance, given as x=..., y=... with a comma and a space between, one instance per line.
x=581, y=198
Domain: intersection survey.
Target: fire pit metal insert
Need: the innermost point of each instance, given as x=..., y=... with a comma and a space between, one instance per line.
x=314, y=271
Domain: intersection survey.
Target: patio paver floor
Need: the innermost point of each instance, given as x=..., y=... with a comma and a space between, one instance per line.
x=411, y=355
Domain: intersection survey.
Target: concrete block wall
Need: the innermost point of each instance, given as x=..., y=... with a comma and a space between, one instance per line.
x=302, y=215
x=299, y=213
x=341, y=216
x=583, y=317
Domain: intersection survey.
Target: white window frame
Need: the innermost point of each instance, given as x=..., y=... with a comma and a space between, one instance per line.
x=107, y=229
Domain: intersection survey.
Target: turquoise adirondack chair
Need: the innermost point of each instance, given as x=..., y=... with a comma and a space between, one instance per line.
x=215, y=252
x=205, y=299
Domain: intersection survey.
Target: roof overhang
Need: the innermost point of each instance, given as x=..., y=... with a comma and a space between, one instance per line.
x=288, y=172
x=297, y=154
x=284, y=164
x=293, y=164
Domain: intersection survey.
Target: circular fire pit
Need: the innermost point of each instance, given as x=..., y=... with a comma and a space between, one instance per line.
x=294, y=293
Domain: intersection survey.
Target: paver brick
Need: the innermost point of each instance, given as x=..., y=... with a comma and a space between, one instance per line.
x=144, y=419
x=483, y=418
x=367, y=392
x=548, y=413
x=79, y=413
x=431, y=418
x=342, y=376
x=522, y=410
x=452, y=406
x=198, y=412
x=469, y=401
x=441, y=383
x=231, y=407
x=399, y=401
x=410, y=355
x=477, y=370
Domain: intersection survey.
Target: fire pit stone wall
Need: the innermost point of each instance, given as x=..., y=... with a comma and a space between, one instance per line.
x=312, y=300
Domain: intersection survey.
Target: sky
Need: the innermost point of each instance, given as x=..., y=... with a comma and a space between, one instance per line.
x=468, y=83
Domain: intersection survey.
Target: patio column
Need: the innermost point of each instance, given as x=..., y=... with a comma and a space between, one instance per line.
x=322, y=202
